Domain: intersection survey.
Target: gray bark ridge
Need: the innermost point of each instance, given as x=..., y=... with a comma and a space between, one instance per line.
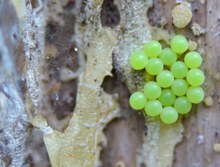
x=13, y=119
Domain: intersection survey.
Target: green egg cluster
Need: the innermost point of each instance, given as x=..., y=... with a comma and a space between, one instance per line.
x=173, y=79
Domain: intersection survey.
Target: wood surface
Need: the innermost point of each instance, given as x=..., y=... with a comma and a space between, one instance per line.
x=125, y=133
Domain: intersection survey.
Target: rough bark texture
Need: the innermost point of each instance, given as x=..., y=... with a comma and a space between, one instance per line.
x=202, y=126
x=13, y=119
x=69, y=55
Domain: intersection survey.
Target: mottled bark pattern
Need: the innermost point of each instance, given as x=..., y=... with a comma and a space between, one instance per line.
x=13, y=119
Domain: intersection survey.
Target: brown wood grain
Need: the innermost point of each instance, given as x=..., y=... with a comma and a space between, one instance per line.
x=204, y=121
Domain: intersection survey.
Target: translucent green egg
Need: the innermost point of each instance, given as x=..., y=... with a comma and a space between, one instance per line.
x=138, y=60
x=168, y=57
x=195, y=77
x=179, y=87
x=195, y=94
x=193, y=59
x=179, y=44
x=153, y=108
x=169, y=115
x=167, y=98
x=153, y=49
x=182, y=105
x=179, y=69
x=137, y=101
x=152, y=90
x=165, y=79
x=154, y=66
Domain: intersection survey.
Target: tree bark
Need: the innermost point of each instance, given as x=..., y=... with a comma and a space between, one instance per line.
x=99, y=132
x=13, y=118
